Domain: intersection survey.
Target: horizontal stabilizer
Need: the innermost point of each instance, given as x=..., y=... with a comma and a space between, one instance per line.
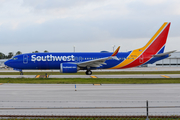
x=163, y=54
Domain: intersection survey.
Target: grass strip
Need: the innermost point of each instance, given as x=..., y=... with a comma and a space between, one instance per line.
x=94, y=73
x=91, y=81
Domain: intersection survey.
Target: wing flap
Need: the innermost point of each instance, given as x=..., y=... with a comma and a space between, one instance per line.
x=91, y=63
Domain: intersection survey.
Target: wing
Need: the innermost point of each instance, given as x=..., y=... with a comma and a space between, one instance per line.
x=98, y=62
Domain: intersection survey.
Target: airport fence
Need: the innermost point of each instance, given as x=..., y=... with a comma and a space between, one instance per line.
x=90, y=110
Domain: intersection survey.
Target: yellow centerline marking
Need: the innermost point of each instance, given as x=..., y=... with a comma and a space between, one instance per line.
x=93, y=77
x=41, y=76
x=96, y=84
x=37, y=76
x=165, y=76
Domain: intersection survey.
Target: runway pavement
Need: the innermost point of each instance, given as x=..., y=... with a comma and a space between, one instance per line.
x=99, y=76
x=105, y=99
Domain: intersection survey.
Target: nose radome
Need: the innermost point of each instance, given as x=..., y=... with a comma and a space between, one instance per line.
x=6, y=63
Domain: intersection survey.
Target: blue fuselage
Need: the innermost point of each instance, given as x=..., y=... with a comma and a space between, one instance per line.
x=53, y=60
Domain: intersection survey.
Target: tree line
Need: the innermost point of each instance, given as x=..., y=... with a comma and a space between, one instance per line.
x=10, y=54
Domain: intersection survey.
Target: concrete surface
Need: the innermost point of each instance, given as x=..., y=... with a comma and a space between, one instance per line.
x=106, y=99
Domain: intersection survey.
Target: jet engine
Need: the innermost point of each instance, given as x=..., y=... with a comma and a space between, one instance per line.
x=68, y=68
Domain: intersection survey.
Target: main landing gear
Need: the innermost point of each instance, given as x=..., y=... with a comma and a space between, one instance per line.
x=88, y=72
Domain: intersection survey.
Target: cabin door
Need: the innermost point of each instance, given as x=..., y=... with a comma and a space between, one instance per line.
x=25, y=59
x=141, y=59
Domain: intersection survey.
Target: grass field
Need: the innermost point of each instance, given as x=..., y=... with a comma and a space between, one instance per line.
x=91, y=80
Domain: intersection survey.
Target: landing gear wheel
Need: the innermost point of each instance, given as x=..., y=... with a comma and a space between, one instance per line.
x=88, y=72
x=21, y=73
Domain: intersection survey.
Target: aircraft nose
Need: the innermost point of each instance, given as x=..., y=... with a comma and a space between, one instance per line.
x=7, y=63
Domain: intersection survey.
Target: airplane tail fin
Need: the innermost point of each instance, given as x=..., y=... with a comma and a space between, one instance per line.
x=157, y=43
x=155, y=46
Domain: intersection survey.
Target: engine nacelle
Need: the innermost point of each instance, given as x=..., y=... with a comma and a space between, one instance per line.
x=68, y=68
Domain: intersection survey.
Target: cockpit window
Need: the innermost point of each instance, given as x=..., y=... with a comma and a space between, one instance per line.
x=15, y=58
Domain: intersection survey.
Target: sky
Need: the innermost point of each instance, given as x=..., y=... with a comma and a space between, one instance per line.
x=89, y=25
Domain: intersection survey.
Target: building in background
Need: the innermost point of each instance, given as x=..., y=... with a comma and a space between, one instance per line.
x=2, y=63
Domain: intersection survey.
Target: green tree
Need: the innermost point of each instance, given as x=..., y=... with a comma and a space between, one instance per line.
x=35, y=51
x=45, y=51
x=18, y=53
x=2, y=56
x=10, y=54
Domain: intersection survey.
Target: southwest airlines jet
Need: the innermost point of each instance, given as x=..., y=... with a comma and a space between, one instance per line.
x=73, y=62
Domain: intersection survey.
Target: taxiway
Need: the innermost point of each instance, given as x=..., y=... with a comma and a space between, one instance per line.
x=99, y=76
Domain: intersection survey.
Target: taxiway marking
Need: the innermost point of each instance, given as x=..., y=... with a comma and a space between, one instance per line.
x=93, y=77
x=165, y=76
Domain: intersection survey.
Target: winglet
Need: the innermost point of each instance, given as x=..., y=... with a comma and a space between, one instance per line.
x=116, y=52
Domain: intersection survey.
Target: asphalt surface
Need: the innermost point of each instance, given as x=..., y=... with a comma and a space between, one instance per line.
x=88, y=99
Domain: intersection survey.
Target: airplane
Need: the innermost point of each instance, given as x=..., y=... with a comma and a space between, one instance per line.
x=73, y=62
